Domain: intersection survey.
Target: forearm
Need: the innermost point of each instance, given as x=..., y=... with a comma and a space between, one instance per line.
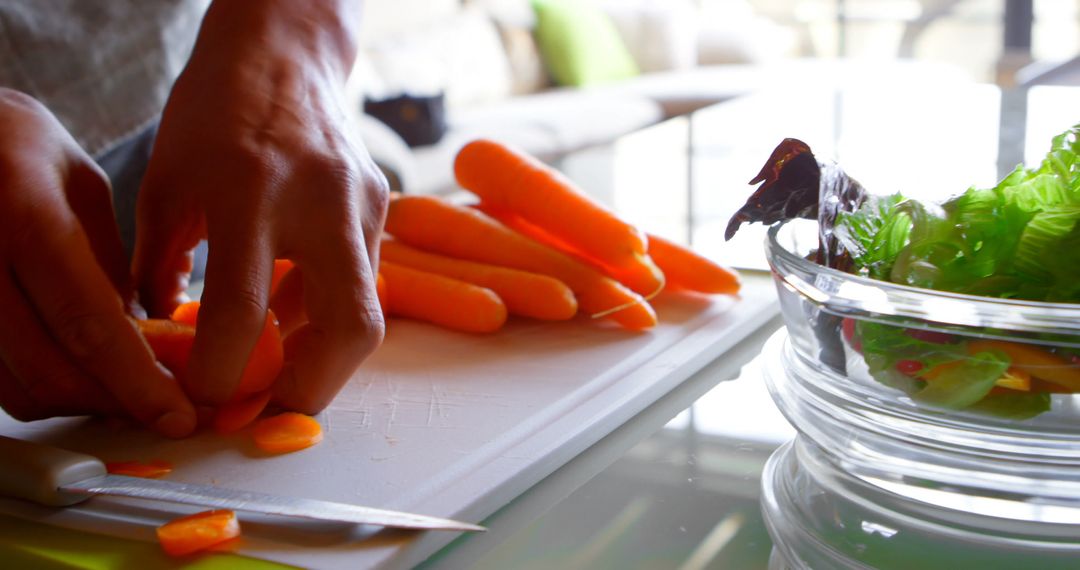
x=320, y=36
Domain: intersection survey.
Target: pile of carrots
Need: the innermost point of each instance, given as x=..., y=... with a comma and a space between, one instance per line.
x=535, y=245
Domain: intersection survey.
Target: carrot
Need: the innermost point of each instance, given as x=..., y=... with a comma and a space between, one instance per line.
x=511, y=180
x=234, y=416
x=1037, y=362
x=190, y=534
x=265, y=362
x=526, y=294
x=186, y=313
x=150, y=470
x=441, y=300
x=380, y=290
x=433, y=224
x=643, y=277
x=281, y=267
x=170, y=341
x=287, y=432
x=690, y=271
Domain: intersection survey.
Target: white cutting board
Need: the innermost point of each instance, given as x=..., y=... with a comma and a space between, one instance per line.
x=439, y=423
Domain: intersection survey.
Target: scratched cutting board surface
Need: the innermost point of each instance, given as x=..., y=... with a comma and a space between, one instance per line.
x=439, y=423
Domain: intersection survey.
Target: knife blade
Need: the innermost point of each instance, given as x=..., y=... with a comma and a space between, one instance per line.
x=55, y=477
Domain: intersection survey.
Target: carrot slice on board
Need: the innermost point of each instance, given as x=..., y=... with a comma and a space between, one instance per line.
x=688, y=270
x=170, y=341
x=200, y=531
x=234, y=416
x=441, y=300
x=524, y=293
x=149, y=470
x=433, y=224
x=283, y=433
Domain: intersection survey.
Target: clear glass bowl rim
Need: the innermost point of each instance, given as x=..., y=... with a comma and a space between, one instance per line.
x=846, y=294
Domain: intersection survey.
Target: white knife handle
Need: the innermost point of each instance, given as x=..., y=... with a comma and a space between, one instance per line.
x=36, y=472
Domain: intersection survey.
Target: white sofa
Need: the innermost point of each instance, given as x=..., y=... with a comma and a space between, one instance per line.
x=480, y=54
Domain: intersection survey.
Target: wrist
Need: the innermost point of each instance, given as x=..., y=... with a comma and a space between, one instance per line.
x=320, y=36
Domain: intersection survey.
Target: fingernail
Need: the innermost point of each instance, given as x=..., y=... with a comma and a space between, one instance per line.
x=175, y=424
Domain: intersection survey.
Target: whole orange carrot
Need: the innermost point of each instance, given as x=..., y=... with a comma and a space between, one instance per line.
x=441, y=300
x=644, y=277
x=433, y=224
x=513, y=181
x=686, y=269
x=526, y=294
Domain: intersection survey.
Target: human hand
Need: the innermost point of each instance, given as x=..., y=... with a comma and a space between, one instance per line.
x=255, y=155
x=66, y=345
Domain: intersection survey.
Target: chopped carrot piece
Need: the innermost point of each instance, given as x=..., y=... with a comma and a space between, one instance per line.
x=149, y=470
x=200, y=531
x=283, y=433
x=234, y=416
x=170, y=341
x=186, y=313
x=281, y=267
x=263, y=365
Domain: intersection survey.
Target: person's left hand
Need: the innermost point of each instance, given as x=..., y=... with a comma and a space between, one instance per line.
x=255, y=154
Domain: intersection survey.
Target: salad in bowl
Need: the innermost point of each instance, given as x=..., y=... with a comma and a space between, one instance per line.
x=971, y=304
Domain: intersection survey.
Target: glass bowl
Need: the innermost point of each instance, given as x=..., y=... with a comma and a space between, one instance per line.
x=822, y=517
x=947, y=400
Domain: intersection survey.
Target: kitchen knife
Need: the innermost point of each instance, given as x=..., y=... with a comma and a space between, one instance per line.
x=59, y=478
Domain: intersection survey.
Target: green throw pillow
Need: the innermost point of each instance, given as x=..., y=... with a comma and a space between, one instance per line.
x=579, y=43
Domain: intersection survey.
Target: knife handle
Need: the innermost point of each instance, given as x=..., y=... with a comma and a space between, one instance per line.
x=35, y=472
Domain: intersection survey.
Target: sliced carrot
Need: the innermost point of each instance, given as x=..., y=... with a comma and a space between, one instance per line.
x=526, y=294
x=433, y=224
x=170, y=341
x=287, y=432
x=642, y=277
x=200, y=531
x=149, y=470
x=380, y=290
x=514, y=181
x=281, y=267
x=265, y=362
x=186, y=313
x=1037, y=362
x=687, y=270
x=441, y=300
x=235, y=415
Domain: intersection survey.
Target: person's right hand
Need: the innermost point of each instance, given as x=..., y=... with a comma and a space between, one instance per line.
x=67, y=347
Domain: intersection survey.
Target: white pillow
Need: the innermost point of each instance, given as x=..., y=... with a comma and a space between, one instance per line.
x=661, y=35
x=461, y=55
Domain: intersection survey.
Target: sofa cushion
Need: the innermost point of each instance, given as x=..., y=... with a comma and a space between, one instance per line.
x=460, y=55
x=661, y=36
x=546, y=125
x=580, y=44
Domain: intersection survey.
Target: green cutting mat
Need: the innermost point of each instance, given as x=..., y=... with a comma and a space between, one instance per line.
x=25, y=544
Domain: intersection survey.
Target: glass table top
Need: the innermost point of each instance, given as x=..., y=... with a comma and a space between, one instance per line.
x=678, y=486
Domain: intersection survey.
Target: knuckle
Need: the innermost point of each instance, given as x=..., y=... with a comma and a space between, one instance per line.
x=364, y=329
x=85, y=335
x=243, y=312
